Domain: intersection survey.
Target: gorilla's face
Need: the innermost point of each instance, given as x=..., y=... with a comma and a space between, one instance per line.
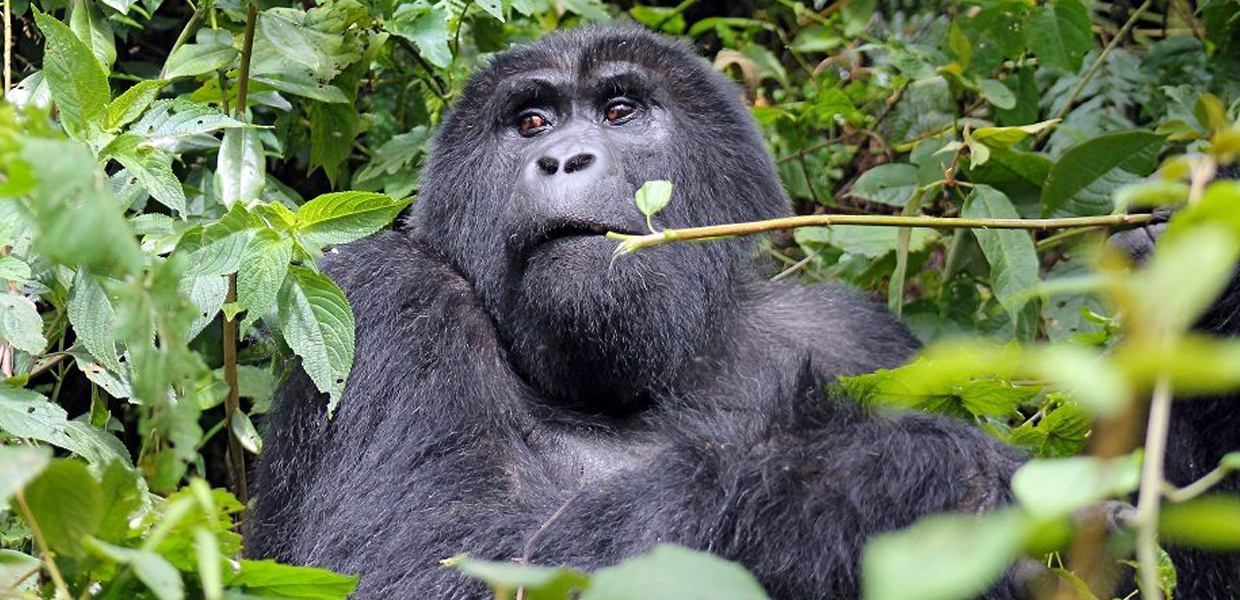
x=543, y=157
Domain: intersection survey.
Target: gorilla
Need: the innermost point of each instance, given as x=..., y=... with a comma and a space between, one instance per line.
x=516, y=394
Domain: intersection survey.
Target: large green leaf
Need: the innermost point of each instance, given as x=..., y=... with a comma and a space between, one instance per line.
x=266, y=578
x=1059, y=34
x=318, y=326
x=19, y=465
x=240, y=172
x=1061, y=486
x=1086, y=175
x=1011, y=254
x=212, y=51
x=944, y=557
x=93, y=319
x=67, y=504
x=427, y=29
x=262, y=272
x=153, y=168
x=78, y=84
x=20, y=324
x=674, y=573
x=333, y=127
x=891, y=184
x=129, y=105
x=153, y=570
x=93, y=29
x=341, y=217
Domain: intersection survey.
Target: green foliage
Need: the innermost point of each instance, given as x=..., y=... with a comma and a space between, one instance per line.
x=134, y=184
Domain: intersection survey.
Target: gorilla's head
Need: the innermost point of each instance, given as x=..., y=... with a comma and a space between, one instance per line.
x=543, y=156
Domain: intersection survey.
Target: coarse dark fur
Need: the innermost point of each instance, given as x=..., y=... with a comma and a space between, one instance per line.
x=506, y=369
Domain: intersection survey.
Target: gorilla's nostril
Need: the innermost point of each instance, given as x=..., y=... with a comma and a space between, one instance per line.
x=578, y=162
x=548, y=165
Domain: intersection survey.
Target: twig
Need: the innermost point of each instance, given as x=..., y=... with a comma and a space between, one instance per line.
x=1198, y=487
x=631, y=243
x=1150, y=495
x=800, y=264
x=236, y=455
x=8, y=47
x=44, y=549
x=184, y=35
x=1093, y=69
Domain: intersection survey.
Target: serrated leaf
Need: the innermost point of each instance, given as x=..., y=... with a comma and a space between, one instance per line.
x=19, y=465
x=93, y=29
x=169, y=120
x=1011, y=253
x=90, y=312
x=219, y=257
x=427, y=29
x=262, y=273
x=212, y=51
x=1059, y=34
x=318, y=326
x=20, y=324
x=14, y=269
x=240, y=172
x=333, y=127
x=343, y=217
x=78, y=84
x=207, y=293
x=153, y=168
x=653, y=197
x=67, y=505
x=1085, y=176
x=130, y=105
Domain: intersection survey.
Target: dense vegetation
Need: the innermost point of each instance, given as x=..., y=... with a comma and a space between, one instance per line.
x=169, y=171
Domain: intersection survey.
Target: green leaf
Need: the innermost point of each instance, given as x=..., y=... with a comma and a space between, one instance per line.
x=1185, y=276
x=495, y=8
x=207, y=293
x=170, y=120
x=130, y=105
x=1059, y=34
x=244, y=429
x=262, y=273
x=123, y=491
x=674, y=573
x=213, y=51
x=152, y=166
x=14, y=269
x=1085, y=176
x=318, y=326
x=153, y=570
x=427, y=29
x=891, y=184
x=341, y=217
x=90, y=312
x=1006, y=137
x=267, y=578
x=1011, y=253
x=1060, y=486
x=1217, y=206
x=93, y=29
x=15, y=568
x=78, y=84
x=997, y=94
x=539, y=583
x=1211, y=522
x=862, y=239
x=19, y=465
x=219, y=257
x=240, y=167
x=944, y=557
x=67, y=504
x=20, y=324
x=333, y=127
x=653, y=197
x=210, y=571
x=1097, y=384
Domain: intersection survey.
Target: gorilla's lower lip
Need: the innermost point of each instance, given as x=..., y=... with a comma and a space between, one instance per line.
x=577, y=230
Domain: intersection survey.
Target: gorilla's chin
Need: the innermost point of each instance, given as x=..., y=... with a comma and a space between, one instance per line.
x=599, y=335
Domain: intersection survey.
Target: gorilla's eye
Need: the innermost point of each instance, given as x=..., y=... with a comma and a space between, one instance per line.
x=532, y=123
x=618, y=111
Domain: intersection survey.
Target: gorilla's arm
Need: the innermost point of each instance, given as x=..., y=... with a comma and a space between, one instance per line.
x=429, y=456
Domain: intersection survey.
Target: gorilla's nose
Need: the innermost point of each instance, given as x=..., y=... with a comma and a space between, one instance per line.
x=569, y=156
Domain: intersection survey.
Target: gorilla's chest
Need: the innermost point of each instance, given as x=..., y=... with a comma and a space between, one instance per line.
x=574, y=456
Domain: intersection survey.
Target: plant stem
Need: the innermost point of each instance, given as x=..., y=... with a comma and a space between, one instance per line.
x=8, y=47
x=637, y=242
x=1093, y=69
x=1150, y=495
x=1200, y=486
x=44, y=550
x=236, y=455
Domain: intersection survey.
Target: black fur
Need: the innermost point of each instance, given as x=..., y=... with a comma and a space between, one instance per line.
x=506, y=370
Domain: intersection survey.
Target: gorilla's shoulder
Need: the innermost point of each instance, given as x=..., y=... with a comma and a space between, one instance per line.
x=843, y=332
x=391, y=272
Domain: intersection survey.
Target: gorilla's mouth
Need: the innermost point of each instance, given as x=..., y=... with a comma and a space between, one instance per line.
x=565, y=229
